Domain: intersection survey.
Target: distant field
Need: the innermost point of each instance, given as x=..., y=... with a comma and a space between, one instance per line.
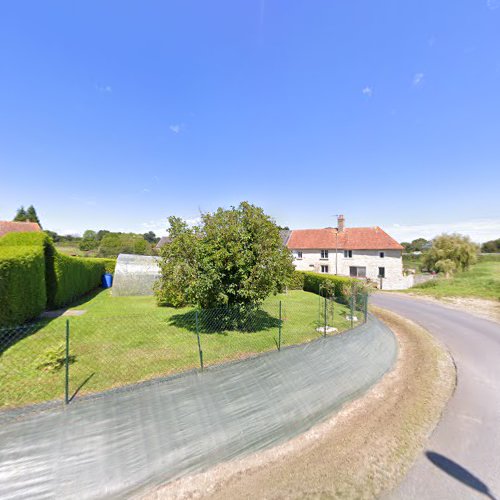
x=70, y=248
x=482, y=281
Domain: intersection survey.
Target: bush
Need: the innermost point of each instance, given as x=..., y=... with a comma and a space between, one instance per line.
x=22, y=284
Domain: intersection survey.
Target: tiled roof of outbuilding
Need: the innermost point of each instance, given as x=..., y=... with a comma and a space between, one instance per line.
x=18, y=227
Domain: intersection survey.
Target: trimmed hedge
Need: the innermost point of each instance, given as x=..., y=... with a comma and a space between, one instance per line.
x=296, y=281
x=62, y=278
x=336, y=284
x=73, y=277
x=23, y=293
x=109, y=264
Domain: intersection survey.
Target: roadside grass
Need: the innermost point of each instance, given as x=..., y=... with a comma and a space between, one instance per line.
x=124, y=340
x=70, y=248
x=482, y=280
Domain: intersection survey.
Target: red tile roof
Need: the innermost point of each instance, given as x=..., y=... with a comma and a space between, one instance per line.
x=352, y=238
x=18, y=227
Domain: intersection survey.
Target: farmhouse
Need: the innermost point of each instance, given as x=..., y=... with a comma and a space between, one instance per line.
x=360, y=252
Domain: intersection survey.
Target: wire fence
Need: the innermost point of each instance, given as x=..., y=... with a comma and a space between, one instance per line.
x=60, y=359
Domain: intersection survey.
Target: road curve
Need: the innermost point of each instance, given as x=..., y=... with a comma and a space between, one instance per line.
x=462, y=458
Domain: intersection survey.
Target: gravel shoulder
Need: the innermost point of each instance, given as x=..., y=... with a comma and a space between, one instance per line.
x=362, y=451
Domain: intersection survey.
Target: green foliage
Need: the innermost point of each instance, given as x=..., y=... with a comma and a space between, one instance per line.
x=89, y=241
x=418, y=245
x=74, y=277
x=234, y=257
x=109, y=264
x=29, y=284
x=20, y=215
x=296, y=281
x=151, y=237
x=458, y=249
x=112, y=244
x=22, y=283
x=492, y=246
x=30, y=214
x=54, y=358
x=445, y=266
x=338, y=286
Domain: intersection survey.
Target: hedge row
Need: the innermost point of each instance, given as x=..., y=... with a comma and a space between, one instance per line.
x=29, y=264
x=339, y=286
x=22, y=284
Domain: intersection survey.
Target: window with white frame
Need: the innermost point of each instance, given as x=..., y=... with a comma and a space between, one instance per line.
x=324, y=269
x=324, y=254
x=348, y=254
x=382, y=254
x=299, y=254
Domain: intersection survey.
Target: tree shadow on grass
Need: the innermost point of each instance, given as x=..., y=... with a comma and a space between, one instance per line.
x=224, y=320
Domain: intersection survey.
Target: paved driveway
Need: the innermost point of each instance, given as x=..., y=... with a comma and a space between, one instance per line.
x=462, y=459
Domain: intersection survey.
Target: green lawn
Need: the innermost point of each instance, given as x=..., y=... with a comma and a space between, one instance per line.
x=122, y=340
x=482, y=280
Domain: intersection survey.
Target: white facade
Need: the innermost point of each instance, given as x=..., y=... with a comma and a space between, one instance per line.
x=384, y=267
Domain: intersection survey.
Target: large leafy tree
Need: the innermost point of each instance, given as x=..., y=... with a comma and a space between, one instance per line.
x=234, y=257
x=113, y=244
x=450, y=252
x=89, y=241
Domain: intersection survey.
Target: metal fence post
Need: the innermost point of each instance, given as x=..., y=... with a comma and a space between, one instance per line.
x=199, y=342
x=66, y=366
x=366, y=307
x=352, y=307
x=279, y=331
x=326, y=316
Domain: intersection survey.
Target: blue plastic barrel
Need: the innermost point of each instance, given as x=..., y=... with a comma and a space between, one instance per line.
x=107, y=280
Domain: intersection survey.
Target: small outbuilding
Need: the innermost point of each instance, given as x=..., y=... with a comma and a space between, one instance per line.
x=135, y=275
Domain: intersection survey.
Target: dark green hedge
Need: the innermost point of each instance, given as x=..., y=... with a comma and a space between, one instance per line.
x=334, y=284
x=63, y=278
x=296, y=281
x=74, y=277
x=22, y=284
x=109, y=264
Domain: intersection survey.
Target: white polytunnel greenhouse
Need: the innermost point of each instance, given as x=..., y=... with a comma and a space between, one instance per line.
x=135, y=275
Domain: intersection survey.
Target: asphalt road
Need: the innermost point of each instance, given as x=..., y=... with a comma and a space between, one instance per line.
x=462, y=458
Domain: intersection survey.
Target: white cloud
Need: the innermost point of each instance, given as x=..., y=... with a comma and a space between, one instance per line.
x=418, y=79
x=492, y=4
x=480, y=230
x=176, y=128
x=367, y=91
x=104, y=88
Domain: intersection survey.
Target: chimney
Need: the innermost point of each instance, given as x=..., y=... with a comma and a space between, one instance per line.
x=340, y=223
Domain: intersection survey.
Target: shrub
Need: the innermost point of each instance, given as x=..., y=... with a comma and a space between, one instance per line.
x=22, y=284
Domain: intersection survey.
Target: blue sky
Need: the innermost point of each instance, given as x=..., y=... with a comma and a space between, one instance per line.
x=117, y=114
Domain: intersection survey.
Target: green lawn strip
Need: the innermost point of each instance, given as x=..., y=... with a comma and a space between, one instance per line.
x=482, y=280
x=123, y=340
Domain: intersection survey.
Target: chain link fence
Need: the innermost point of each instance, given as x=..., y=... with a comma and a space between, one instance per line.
x=56, y=360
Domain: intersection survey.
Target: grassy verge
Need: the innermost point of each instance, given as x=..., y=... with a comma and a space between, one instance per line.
x=481, y=281
x=122, y=340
